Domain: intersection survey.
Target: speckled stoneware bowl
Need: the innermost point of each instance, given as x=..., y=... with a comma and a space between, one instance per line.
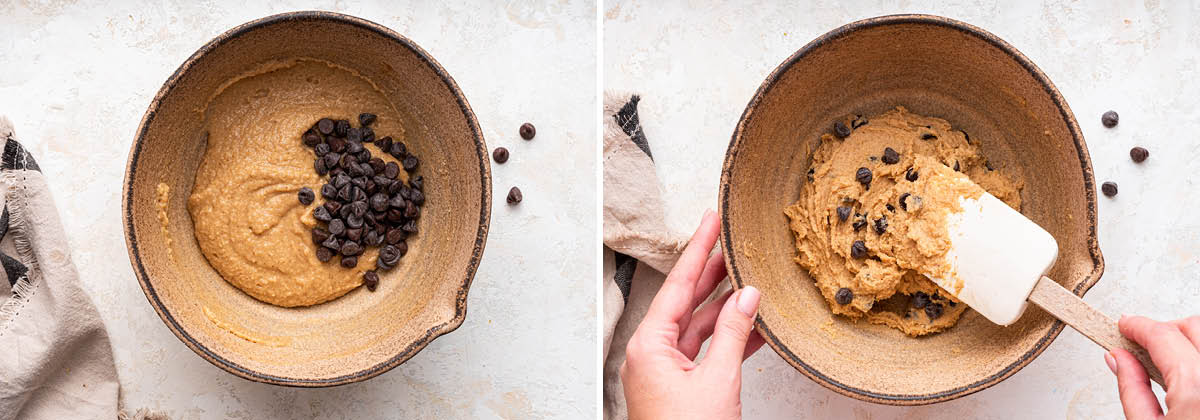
x=361, y=334
x=933, y=66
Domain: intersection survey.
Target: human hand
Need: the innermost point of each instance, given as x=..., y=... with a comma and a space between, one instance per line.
x=1174, y=347
x=660, y=377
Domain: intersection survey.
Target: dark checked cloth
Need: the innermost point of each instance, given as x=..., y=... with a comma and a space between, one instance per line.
x=56, y=361
x=639, y=249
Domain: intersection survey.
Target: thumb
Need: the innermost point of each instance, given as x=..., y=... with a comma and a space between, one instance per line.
x=732, y=331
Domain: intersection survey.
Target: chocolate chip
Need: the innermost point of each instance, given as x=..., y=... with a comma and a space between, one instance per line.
x=863, y=175
x=370, y=279
x=354, y=221
x=329, y=191
x=384, y=143
x=417, y=196
x=860, y=221
x=368, y=135
x=319, y=235
x=349, y=262
x=379, y=202
x=1139, y=154
x=333, y=207
x=351, y=248
x=890, y=156
x=337, y=227
x=843, y=213
x=500, y=155
x=418, y=182
x=514, y=195
x=389, y=256
x=332, y=243
x=319, y=166
x=934, y=311
x=843, y=296
x=398, y=150
x=840, y=129
x=956, y=167
x=346, y=193
x=305, y=195
x=354, y=147
x=858, y=121
x=354, y=135
x=331, y=161
x=881, y=225
x=411, y=211
x=410, y=163
x=395, y=215
x=920, y=299
x=858, y=250
x=366, y=119
x=928, y=136
x=402, y=247
x=322, y=214
x=395, y=235
x=910, y=175
x=354, y=234
x=325, y=126
x=527, y=131
x=1110, y=119
x=811, y=171
x=341, y=128
x=336, y=144
x=373, y=238
x=1109, y=188
x=324, y=254
x=321, y=149
x=901, y=200
x=312, y=139
x=890, y=207
x=988, y=164
x=410, y=226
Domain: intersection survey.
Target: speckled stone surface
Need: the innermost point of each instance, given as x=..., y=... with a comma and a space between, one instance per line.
x=77, y=77
x=698, y=64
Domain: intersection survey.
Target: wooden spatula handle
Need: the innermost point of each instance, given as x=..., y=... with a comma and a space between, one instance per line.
x=1072, y=310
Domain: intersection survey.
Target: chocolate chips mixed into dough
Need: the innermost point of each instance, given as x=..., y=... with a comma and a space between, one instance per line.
x=868, y=222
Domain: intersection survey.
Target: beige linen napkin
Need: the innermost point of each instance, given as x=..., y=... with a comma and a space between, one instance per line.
x=639, y=247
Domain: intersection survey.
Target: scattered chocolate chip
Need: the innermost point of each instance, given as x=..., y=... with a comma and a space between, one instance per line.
x=527, y=131
x=988, y=164
x=1139, y=154
x=395, y=235
x=389, y=256
x=373, y=238
x=333, y=207
x=901, y=200
x=890, y=156
x=321, y=213
x=402, y=247
x=354, y=135
x=966, y=136
x=956, y=167
x=329, y=191
x=920, y=299
x=928, y=136
x=368, y=135
x=934, y=311
x=1109, y=188
x=379, y=202
x=840, y=129
x=321, y=149
x=354, y=234
x=890, y=207
x=354, y=221
x=341, y=127
x=311, y=139
x=500, y=155
x=351, y=248
x=1110, y=119
x=910, y=175
x=514, y=195
x=366, y=119
x=881, y=225
x=418, y=182
x=325, y=126
x=349, y=262
x=417, y=196
x=398, y=150
x=411, y=211
x=843, y=213
x=863, y=175
x=384, y=143
x=811, y=171
x=333, y=244
x=391, y=170
x=410, y=226
x=336, y=144
x=370, y=279
x=860, y=222
x=858, y=250
x=843, y=296
x=305, y=195
x=324, y=254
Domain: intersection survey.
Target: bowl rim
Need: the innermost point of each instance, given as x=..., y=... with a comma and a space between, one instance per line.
x=731, y=260
x=460, y=307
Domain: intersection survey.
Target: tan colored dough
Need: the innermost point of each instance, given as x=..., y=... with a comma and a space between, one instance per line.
x=915, y=239
x=248, y=220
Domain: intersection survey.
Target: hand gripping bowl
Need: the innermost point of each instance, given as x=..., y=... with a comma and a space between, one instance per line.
x=936, y=67
x=361, y=334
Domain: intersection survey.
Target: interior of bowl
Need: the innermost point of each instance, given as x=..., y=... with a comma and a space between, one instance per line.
x=935, y=67
x=358, y=335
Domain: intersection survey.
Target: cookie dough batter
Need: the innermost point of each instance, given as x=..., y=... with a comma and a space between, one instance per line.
x=899, y=238
x=248, y=221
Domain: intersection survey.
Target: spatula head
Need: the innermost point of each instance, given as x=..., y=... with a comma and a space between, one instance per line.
x=996, y=257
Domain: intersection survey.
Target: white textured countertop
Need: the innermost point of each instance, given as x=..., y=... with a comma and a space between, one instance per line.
x=76, y=79
x=697, y=65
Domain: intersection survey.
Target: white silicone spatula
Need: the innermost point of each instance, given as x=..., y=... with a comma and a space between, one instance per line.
x=999, y=260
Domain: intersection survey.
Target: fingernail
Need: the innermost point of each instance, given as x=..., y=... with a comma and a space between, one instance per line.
x=747, y=300
x=1112, y=362
x=707, y=212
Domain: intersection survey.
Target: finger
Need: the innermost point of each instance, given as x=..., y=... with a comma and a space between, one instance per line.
x=1133, y=384
x=1190, y=327
x=701, y=326
x=1167, y=346
x=714, y=272
x=732, y=332
x=756, y=342
x=674, y=299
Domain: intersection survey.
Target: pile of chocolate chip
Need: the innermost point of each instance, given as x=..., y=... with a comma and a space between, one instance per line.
x=367, y=204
